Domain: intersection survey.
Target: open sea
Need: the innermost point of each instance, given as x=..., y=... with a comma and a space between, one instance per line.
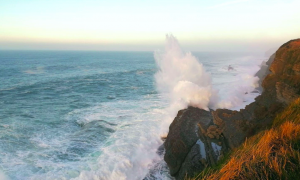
x=94, y=115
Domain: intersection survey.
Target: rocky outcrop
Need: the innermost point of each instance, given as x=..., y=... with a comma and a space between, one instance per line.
x=199, y=138
x=264, y=71
x=183, y=136
x=194, y=142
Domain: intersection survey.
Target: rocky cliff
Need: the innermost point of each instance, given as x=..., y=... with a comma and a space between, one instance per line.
x=199, y=138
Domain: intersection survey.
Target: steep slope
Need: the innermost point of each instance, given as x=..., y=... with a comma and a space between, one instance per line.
x=270, y=154
x=198, y=139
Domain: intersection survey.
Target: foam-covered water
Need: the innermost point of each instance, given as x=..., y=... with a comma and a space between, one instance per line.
x=96, y=115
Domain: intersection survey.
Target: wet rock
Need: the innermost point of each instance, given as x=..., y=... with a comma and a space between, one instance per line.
x=192, y=163
x=189, y=142
x=183, y=136
x=264, y=71
x=161, y=149
x=199, y=138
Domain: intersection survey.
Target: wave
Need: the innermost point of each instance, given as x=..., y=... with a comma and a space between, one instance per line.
x=130, y=151
x=185, y=81
x=117, y=138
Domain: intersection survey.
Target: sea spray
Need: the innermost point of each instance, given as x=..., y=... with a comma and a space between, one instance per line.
x=237, y=95
x=182, y=78
x=239, y=91
x=132, y=149
x=66, y=127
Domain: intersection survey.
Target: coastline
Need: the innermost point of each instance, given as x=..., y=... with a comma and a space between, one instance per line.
x=219, y=132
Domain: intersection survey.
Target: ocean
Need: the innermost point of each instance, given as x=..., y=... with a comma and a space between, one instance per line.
x=97, y=115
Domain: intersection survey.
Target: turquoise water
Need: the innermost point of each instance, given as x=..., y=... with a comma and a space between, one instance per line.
x=86, y=115
x=46, y=99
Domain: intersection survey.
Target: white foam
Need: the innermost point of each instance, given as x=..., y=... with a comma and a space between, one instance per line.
x=216, y=148
x=3, y=176
x=235, y=88
x=202, y=148
x=130, y=151
x=181, y=77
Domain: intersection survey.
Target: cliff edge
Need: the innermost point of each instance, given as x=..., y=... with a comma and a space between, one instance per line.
x=199, y=139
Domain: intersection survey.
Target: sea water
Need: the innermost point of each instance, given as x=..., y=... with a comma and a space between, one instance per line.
x=94, y=115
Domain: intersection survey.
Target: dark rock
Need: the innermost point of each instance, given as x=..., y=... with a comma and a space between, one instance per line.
x=183, y=135
x=189, y=142
x=192, y=163
x=198, y=138
x=161, y=149
x=235, y=126
x=264, y=71
x=230, y=68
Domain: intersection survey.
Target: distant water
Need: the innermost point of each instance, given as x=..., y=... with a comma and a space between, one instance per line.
x=91, y=115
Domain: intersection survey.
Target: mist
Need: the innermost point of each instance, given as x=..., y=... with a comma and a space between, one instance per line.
x=196, y=44
x=184, y=81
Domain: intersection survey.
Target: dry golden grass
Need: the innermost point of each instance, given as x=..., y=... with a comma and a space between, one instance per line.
x=291, y=113
x=272, y=154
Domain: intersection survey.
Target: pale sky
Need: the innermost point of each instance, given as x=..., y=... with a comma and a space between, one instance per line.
x=141, y=25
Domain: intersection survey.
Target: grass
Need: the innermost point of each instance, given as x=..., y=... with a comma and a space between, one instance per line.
x=271, y=154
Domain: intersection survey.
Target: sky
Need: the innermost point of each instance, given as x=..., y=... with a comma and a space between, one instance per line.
x=135, y=25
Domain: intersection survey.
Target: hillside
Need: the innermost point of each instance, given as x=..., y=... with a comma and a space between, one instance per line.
x=200, y=139
x=270, y=154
